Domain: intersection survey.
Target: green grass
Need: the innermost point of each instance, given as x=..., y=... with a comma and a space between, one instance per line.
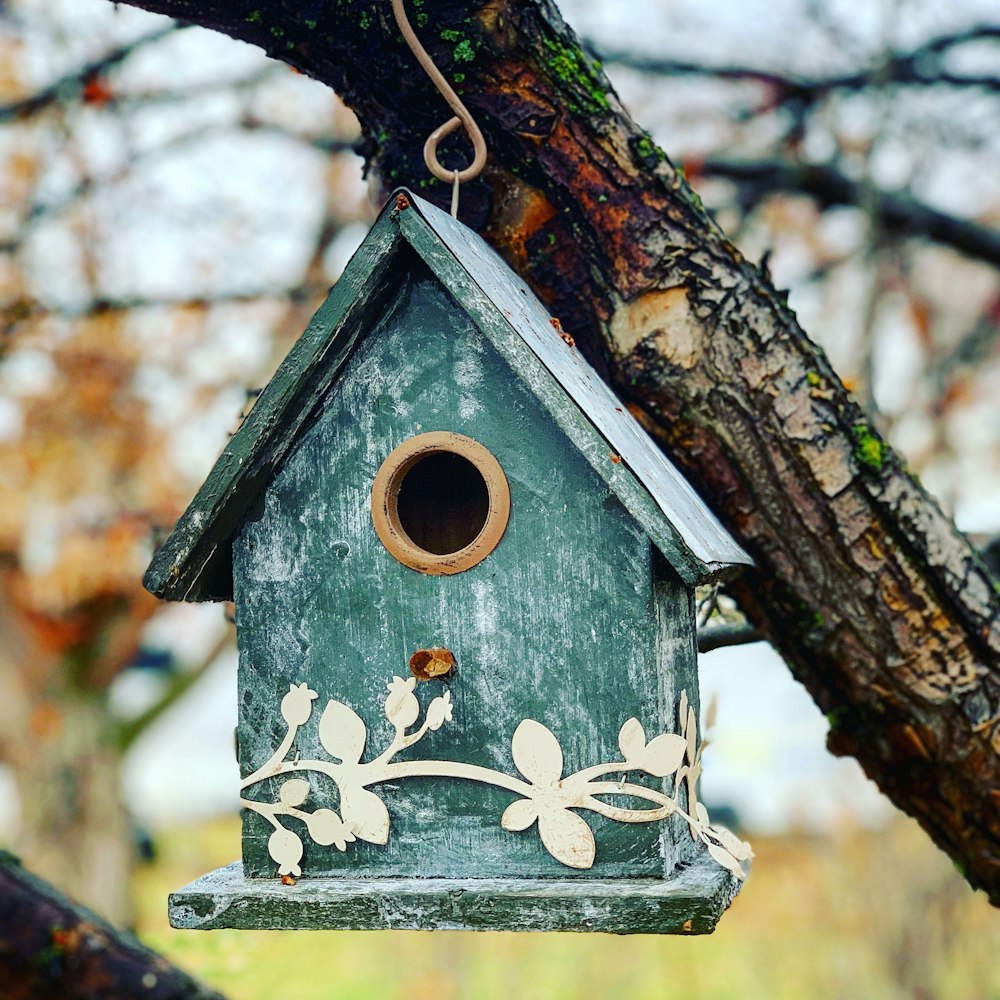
x=856, y=916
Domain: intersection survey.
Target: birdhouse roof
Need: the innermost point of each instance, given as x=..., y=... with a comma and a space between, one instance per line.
x=195, y=562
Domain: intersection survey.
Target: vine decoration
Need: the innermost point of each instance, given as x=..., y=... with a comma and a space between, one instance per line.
x=544, y=796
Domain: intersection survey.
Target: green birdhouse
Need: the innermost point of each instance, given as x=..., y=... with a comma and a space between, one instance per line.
x=464, y=589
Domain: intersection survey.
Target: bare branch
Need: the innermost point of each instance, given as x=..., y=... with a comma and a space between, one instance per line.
x=71, y=84
x=720, y=634
x=920, y=67
x=898, y=214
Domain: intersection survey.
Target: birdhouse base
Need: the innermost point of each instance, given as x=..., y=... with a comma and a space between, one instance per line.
x=690, y=902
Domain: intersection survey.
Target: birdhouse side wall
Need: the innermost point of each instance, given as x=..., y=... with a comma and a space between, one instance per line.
x=572, y=621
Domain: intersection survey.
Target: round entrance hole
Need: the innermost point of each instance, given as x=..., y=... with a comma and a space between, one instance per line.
x=443, y=503
x=440, y=503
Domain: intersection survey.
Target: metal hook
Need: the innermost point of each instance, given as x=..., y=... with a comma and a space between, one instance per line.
x=462, y=119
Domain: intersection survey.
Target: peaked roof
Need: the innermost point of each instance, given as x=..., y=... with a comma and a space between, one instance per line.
x=195, y=562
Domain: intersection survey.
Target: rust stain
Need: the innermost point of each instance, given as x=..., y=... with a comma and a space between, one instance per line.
x=432, y=664
x=564, y=336
x=616, y=458
x=288, y=880
x=402, y=202
x=520, y=213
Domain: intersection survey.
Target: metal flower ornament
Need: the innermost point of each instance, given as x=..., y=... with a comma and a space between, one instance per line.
x=545, y=797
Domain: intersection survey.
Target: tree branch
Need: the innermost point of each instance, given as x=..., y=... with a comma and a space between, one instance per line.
x=718, y=635
x=898, y=214
x=70, y=85
x=920, y=67
x=54, y=949
x=180, y=682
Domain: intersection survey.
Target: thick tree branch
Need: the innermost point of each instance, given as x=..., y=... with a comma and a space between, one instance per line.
x=54, y=949
x=879, y=606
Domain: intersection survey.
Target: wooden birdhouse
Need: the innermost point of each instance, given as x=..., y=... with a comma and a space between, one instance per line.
x=464, y=588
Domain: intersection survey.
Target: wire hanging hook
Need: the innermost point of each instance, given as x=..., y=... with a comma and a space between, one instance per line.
x=462, y=119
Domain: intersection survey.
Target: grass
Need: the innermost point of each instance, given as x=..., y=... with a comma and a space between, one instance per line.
x=857, y=915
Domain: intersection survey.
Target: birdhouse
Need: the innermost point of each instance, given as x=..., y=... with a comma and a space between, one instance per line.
x=464, y=586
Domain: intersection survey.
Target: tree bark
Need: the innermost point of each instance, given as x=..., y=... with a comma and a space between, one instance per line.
x=878, y=605
x=54, y=949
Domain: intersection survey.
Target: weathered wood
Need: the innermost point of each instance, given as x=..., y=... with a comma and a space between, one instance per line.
x=558, y=624
x=480, y=280
x=878, y=604
x=690, y=902
x=54, y=949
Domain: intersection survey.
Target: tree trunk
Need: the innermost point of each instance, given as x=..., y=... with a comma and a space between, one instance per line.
x=879, y=606
x=53, y=949
x=76, y=830
x=60, y=740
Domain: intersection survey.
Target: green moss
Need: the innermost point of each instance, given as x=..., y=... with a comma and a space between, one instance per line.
x=421, y=18
x=602, y=198
x=569, y=65
x=458, y=78
x=311, y=25
x=450, y=35
x=837, y=715
x=464, y=52
x=254, y=17
x=365, y=20
x=814, y=379
x=277, y=32
x=869, y=449
x=647, y=151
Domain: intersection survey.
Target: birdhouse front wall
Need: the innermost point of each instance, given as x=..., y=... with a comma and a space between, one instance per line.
x=573, y=620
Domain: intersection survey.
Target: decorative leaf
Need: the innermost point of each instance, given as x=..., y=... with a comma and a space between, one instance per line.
x=365, y=813
x=682, y=711
x=439, y=711
x=702, y=813
x=567, y=838
x=739, y=849
x=326, y=827
x=691, y=735
x=519, y=815
x=727, y=860
x=631, y=740
x=342, y=732
x=293, y=792
x=711, y=713
x=285, y=848
x=663, y=755
x=537, y=753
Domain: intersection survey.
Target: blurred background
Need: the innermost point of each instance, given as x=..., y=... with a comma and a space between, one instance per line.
x=173, y=207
